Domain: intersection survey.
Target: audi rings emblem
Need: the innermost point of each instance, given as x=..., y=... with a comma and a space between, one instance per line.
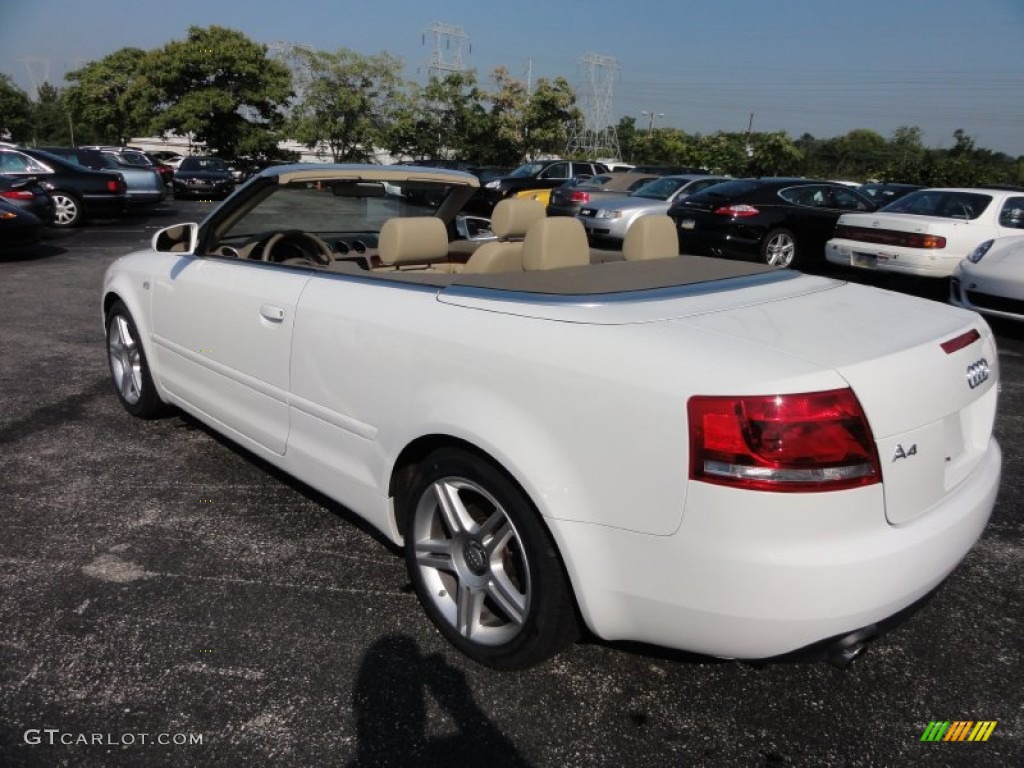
x=977, y=373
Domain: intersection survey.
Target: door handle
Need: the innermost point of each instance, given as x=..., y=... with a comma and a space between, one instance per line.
x=272, y=313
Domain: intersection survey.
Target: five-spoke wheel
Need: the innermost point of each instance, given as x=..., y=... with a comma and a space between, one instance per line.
x=129, y=370
x=483, y=566
x=779, y=249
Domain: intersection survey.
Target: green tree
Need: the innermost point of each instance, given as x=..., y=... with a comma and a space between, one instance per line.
x=629, y=139
x=455, y=114
x=773, y=154
x=346, y=103
x=909, y=161
x=551, y=116
x=220, y=88
x=403, y=134
x=505, y=144
x=109, y=99
x=15, y=111
x=51, y=122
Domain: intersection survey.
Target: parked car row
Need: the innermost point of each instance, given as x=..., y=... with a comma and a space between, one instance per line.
x=974, y=235
x=77, y=192
x=64, y=186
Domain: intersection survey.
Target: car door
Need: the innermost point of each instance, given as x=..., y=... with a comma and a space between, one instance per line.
x=555, y=173
x=222, y=331
x=814, y=216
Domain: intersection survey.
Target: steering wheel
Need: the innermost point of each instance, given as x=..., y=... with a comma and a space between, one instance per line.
x=319, y=253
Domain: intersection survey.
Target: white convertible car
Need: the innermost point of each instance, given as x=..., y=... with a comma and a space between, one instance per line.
x=701, y=454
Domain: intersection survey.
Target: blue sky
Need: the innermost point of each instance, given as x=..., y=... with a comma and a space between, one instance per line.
x=803, y=66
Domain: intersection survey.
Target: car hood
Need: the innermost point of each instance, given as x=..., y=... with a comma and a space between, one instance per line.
x=1004, y=259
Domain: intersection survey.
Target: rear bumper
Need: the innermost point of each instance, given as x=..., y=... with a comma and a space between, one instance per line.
x=606, y=229
x=758, y=575
x=906, y=261
x=202, y=192
x=150, y=197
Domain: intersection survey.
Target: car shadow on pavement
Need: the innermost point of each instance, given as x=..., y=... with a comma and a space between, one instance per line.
x=394, y=723
x=187, y=421
x=30, y=252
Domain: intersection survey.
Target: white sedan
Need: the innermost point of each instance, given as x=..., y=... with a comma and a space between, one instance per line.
x=702, y=454
x=991, y=279
x=927, y=232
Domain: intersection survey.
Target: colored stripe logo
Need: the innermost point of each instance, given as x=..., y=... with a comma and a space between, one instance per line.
x=959, y=730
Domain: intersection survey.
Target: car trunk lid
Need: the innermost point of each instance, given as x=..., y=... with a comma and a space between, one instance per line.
x=931, y=407
x=925, y=376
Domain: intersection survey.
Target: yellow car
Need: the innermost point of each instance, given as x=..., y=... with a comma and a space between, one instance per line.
x=542, y=195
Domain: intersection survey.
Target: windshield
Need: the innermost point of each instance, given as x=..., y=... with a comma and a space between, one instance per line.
x=203, y=164
x=337, y=207
x=660, y=189
x=944, y=203
x=133, y=158
x=527, y=169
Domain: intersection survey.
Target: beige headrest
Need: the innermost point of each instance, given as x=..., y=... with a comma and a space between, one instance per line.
x=651, y=237
x=555, y=242
x=413, y=240
x=513, y=216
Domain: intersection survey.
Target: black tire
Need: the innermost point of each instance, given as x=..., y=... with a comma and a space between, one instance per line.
x=779, y=249
x=492, y=581
x=67, y=209
x=129, y=369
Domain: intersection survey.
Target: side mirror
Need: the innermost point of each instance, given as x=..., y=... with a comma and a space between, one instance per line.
x=476, y=228
x=180, y=238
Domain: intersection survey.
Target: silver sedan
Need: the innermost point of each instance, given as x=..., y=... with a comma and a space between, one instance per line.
x=611, y=219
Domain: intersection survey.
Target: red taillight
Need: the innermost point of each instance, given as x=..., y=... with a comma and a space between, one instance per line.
x=741, y=211
x=817, y=441
x=889, y=237
x=579, y=197
x=116, y=186
x=961, y=341
x=914, y=240
x=17, y=194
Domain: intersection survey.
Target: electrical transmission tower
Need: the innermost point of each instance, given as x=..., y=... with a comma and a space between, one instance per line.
x=597, y=136
x=38, y=72
x=298, y=57
x=444, y=35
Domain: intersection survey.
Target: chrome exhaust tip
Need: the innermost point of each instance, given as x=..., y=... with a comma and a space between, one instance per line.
x=847, y=649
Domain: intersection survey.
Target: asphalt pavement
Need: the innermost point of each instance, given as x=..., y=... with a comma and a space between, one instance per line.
x=168, y=600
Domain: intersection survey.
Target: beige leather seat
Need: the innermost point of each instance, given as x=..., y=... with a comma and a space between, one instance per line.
x=651, y=237
x=510, y=221
x=555, y=242
x=414, y=242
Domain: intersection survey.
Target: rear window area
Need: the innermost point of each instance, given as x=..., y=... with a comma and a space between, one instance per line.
x=727, y=189
x=947, y=205
x=1012, y=214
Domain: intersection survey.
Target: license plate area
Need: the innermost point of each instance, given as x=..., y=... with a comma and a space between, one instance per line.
x=868, y=260
x=687, y=224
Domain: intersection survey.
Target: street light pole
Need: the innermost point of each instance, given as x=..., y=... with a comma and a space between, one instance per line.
x=650, y=122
